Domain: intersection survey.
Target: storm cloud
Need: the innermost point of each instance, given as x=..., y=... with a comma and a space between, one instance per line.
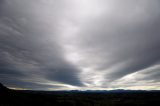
x=80, y=44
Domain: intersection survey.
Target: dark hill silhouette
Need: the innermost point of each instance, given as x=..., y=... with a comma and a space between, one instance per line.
x=78, y=98
x=3, y=88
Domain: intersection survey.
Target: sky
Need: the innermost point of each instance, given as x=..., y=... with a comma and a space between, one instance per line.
x=80, y=44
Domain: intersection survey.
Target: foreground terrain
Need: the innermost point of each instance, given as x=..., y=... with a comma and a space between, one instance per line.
x=78, y=98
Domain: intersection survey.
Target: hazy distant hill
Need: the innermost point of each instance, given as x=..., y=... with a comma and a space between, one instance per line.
x=78, y=98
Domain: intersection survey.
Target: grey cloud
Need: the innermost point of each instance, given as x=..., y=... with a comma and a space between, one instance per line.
x=10, y=72
x=30, y=46
x=123, y=41
x=16, y=83
x=111, y=39
x=64, y=75
x=147, y=77
x=149, y=74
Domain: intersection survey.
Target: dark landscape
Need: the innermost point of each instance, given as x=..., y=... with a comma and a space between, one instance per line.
x=10, y=97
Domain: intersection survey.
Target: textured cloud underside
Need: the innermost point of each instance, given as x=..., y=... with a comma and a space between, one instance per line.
x=80, y=44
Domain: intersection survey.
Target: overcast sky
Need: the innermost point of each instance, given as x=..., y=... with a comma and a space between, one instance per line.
x=80, y=44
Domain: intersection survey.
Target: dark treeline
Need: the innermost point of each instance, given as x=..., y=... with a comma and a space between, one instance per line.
x=78, y=98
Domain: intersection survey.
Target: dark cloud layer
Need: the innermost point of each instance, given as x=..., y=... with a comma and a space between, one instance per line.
x=126, y=41
x=99, y=44
x=26, y=48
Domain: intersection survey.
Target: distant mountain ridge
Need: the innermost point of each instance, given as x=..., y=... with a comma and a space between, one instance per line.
x=2, y=88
